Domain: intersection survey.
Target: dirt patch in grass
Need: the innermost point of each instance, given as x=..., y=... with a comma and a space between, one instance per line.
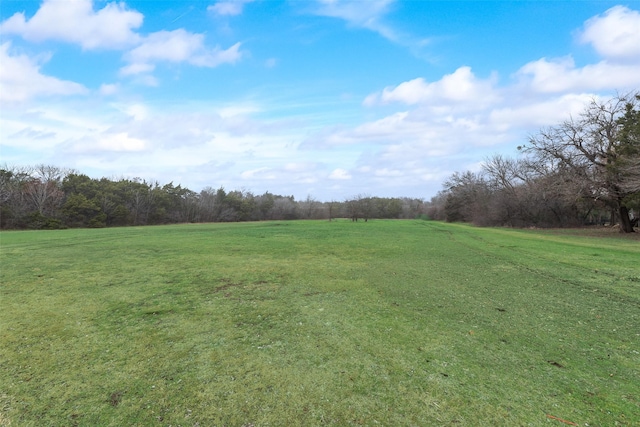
x=115, y=398
x=227, y=285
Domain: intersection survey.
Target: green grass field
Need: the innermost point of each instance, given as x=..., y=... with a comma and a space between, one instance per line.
x=306, y=323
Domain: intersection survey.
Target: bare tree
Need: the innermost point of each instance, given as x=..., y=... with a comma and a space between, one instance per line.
x=44, y=190
x=468, y=198
x=353, y=208
x=590, y=152
x=308, y=207
x=435, y=207
x=366, y=206
x=207, y=203
x=284, y=208
x=332, y=208
x=631, y=170
x=630, y=147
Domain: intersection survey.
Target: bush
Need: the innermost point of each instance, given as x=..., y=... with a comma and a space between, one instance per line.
x=38, y=221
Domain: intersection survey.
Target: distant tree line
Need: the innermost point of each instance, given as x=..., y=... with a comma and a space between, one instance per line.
x=586, y=170
x=49, y=197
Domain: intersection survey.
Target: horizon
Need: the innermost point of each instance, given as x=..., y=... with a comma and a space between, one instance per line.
x=326, y=98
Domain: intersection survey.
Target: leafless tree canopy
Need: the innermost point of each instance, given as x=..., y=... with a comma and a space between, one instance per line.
x=573, y=173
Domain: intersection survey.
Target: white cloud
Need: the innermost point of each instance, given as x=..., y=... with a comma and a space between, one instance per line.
x=109, y=89
x=21, y=80
x=299, y=167
x=370, y=15
x=120, y=142
x=137, y=112
x=387, y=127
x=358, y=14
x=177, y=46
x=457, y=116
x=615, y=34
x=560, y=75
x=140, y=139
x=41, y=131
x=136, y=68
x=340, y=174
x=228, y=8
x=237, y=110
x=146, y=80
x=218, y=56
x=462, y=86
x=280, y=174
x=353, y=11
x=260, y=173
x=77, y=22
x=112, y=27
x=389, y=173
x=536, y=114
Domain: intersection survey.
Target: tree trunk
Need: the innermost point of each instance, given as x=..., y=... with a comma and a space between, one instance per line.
x=625, y=222
x=612, y=217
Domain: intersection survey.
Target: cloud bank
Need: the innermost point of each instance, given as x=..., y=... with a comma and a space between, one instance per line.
x=407, y=135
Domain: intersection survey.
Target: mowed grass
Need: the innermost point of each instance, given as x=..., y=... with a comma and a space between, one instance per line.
x=307, y=323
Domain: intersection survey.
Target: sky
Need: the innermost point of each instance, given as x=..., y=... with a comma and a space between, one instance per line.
x=326, y=98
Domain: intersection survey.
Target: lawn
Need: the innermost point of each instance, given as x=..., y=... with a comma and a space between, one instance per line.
x=307, y=323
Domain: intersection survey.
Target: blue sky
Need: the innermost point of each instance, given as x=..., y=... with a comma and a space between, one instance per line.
x=327, y=98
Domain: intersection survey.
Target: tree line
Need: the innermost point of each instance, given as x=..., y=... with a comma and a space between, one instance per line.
x=50, y=197
x=585, y=170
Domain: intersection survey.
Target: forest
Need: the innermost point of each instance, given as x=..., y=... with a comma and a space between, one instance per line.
x=50, y=197
x=583, y=171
